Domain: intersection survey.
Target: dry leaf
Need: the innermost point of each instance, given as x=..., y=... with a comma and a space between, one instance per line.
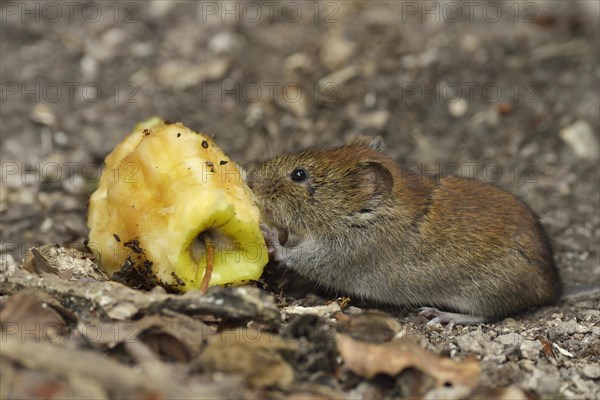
x=176, y=337
x=259, y=367
x=36, y=263
x=368, y=360
x=253, y=354
x=26, y=317
x=371, y=326
x=37, y=385
x=562, y=351
x=173, y=337
x=109, y=334
x=69, y=264
x=27, y=384
x=546, y=347
x=324, y=311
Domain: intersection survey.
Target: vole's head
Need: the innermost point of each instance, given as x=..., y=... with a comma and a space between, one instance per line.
x=321, y=191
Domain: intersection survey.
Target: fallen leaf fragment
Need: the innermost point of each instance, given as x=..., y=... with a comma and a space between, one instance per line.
x=546, y=347
x=255, y=355
x=27, y=384
x=371, y=326
x=36, y=263
x=323, y=311
x=27, y=317
x=173, y=337
x=69, y=264
x=563, y=351
x=368, y=360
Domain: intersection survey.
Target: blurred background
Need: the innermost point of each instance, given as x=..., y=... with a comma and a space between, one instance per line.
x=505, y=92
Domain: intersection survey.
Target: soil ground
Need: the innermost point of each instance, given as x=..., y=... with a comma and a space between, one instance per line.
x=505, y=92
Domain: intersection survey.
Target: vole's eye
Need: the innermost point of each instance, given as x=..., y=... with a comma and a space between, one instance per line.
x=299, y=175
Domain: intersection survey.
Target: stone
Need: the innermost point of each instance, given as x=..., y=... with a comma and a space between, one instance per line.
x=514, y=339
x=531, y=349
x=581, y=139
x=591, y=371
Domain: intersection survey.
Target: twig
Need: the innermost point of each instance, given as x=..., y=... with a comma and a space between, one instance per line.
x=113, y=376
x=210, y=256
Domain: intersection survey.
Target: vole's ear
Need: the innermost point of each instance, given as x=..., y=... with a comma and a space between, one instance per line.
x=373, y=142
x=376, y=178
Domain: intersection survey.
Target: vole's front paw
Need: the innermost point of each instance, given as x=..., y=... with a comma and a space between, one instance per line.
x=271, y=236
x=436, y=316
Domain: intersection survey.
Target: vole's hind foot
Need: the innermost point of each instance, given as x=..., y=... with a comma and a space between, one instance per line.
x=436, y=316
x=271, y=236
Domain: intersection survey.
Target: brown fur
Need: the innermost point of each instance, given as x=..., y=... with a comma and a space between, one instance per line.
x=369, y=228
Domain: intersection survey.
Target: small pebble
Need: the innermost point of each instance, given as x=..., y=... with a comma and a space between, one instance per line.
x=370, y=99
x=472, y=342
x=581, y=139
x=338, y=78
x=375, y=120
x=545, y=380
x=61, y=138
x=89, y=67
x=591, y=371
x=336, y=49
x=43, y=114
x=531, y=349
x=223, y=42
x=458, y=108
x=470, y=42
x=8, y=266
x=46, y=225
x=514, y=339
x=181, y=75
